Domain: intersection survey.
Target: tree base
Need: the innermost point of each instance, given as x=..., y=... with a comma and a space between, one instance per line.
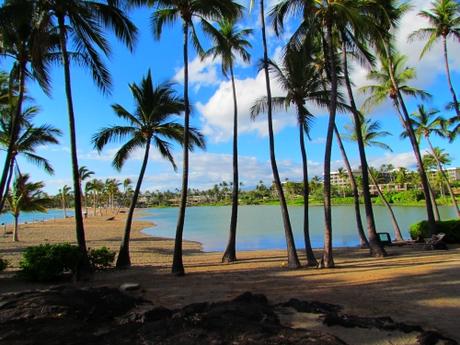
x=228, y=258
x=178, y=271
x=312, y=263
x=123, y=261
x=326, y=263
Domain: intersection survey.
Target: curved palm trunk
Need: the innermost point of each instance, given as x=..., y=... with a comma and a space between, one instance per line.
x=444, y=176
x=230, y=251
x=293, y=260
x=311, y=260
x=13, y=135
x=359, y=223
x=449, y=79
x=376, y=249
x=437, y=216
x=416, y=149
x=10, y=178
x=64, y=205
x=178, y=266
x=16, y=228
x=123, y=259
x=79, y=227
x=327, y=259
x=394, y=222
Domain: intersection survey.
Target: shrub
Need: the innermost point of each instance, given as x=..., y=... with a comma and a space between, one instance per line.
x=101, y=258
x=3, y=264
x=405, y=197
x=48, y=262
x=450, y=227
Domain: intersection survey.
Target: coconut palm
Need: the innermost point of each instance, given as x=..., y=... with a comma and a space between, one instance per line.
x=322, y=19
x=28, y=45
x=64, y=193
x=391, y=82
x=302, y=84
x=26, y=196
x=149, y=124
x=228, y=44
x=444, y=22
x=425, y=123
x=28, y=138
x=371, y=134
x=84, y=21
x=187, y=11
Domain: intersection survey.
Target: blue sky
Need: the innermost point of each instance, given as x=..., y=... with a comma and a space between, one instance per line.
x=212, y=102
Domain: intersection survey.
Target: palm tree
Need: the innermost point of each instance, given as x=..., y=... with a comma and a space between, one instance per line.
x=343, y=176
x=444, y=22
x=322, y=19
x=228, y=44
x=302, y=84
x=28, y=44
x=371, y=134
x=425, y=123
x=64, y=193
x=26, y=196
x=84, y=20
x=28, y=138
x=391, y=79
x=364, y=243
x=167, y=12
x=83, y=174
x=150, y=123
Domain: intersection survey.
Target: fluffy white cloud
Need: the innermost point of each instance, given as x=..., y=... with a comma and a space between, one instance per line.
x=201, y=73
x=217, y=113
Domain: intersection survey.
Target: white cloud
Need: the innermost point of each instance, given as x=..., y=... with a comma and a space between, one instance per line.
x=404, y=159
x=217, y=113
x=201, y=73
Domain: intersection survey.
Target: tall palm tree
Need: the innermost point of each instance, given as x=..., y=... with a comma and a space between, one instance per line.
x=322, y=19
x=28, y=138
x=229, y=43
x=84, y=174
x=84, y=21
x=425, y=123
x=64, y=193
x=302, y=84
x=149, y=124
x=444, y=22
x=26, y=196
x=29, y=45
x=371, y=134
x=392, y=78
x=187, y=11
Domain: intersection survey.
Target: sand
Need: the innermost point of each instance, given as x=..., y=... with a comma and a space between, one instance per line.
x=411, y=285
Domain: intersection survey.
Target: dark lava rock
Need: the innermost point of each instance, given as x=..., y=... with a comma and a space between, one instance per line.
x=106, y=316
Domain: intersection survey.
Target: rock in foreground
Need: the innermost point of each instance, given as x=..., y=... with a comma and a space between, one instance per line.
x=68, y=315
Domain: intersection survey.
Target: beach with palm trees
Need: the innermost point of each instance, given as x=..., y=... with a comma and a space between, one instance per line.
x=239, y=118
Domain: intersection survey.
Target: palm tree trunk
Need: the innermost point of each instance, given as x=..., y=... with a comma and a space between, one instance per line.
x=13, y=134
x=123, y=259
x=64, y=205
x=327, y=259
x=376, y=249
x=397, y=230
x=16, y=228
x=449, y=79
x=311, y=260
x=415, y=147
x=230, y=251
x=437, y=216
x=444, y=176
x=80, y=230
x=10, y=178
x=178, y=266
x=293, y=260
x=359, y=223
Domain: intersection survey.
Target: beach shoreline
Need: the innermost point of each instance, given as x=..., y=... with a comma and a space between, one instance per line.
x=410, y=285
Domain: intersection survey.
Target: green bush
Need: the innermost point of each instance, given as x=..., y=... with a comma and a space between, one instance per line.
x=101, y=258
x=48, y=262
x=450, y=227
x=404, y=197
x=3, y=264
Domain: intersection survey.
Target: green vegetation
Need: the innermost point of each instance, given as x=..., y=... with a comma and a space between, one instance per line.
x=3, y=264
x=449, y=227
x=101, y=258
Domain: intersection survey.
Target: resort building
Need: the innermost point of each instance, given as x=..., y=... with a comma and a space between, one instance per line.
x=452, y=173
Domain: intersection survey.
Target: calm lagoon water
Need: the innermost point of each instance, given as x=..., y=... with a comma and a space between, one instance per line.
x=260, y=227
x=30, y=217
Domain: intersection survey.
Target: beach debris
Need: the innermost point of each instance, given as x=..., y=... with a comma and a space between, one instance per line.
x=129, y=287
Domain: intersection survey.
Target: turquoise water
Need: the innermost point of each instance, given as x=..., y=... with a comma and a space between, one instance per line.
x=31, y=217
x=260, y=227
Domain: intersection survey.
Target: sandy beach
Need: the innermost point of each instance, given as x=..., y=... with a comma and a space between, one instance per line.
x=410, y=285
